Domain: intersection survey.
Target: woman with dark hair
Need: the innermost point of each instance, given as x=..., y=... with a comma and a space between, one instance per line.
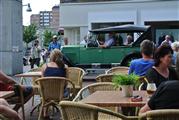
x=161, y=70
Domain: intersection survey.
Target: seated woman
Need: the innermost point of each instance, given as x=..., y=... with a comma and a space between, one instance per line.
x=9, y=84
x=56, y=67
x=7, y=112
x=161, y=71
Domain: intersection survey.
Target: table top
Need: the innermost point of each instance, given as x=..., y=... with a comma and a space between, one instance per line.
x=114, y=98
x=6, y=94
x=29, y=74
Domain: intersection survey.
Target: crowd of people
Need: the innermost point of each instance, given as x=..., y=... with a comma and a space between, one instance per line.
x=158, y=66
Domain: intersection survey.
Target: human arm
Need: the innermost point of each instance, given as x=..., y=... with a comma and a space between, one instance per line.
x=144, y=109
x=43, y=69
x=9, y=113
x=6, y=79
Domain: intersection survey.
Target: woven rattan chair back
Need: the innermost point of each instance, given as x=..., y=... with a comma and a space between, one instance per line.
x=89, y=89
x=80, y=111
x=118, y=70
x=104, y=78
x=164, y=114
x=51, y=88
x=51, y=91
x=75, y=74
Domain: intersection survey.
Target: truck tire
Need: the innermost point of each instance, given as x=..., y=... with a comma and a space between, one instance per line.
x=126, y=61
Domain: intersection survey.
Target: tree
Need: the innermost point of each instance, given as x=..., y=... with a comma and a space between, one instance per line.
x=47, y=37
x=29, y=34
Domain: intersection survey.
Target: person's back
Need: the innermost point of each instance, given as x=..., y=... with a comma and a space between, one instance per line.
x=166, y=97
x=140, y=66
x=53, y=70
x=56, y=67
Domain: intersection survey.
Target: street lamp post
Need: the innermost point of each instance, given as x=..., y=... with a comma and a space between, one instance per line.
x=28, y=7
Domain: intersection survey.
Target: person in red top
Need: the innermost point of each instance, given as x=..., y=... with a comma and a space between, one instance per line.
x=9, y=84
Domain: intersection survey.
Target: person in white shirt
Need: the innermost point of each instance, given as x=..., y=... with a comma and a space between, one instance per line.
x=167, y=40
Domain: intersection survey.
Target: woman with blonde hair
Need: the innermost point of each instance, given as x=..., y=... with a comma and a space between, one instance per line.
x=56, y=66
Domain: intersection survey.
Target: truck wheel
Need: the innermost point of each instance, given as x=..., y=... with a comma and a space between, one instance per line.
x=127, y=60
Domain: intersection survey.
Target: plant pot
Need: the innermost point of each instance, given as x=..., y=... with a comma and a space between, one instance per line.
x=127, y=90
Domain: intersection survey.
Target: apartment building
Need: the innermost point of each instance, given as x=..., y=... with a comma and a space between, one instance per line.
x=77, y=17
x=47, y=19
x=35, y=19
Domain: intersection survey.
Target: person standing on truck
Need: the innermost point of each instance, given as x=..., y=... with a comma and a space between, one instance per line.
x=108, y=42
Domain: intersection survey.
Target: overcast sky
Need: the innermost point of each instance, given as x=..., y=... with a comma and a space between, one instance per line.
x=37, y=5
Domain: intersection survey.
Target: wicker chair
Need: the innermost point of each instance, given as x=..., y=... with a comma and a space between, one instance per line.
x=118, y=70
x=75, y=74
x=89, y=89
x=79, y=111
x=51, y=91
x=104, y=78
x=164, y=114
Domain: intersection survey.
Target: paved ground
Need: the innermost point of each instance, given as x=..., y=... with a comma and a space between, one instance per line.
x=28, y=105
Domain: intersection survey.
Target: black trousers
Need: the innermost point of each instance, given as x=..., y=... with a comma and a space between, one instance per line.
x=35, y=61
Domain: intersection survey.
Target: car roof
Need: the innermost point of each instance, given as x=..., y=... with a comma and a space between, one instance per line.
x=121, y=29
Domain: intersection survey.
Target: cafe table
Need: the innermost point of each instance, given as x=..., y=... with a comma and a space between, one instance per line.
x=33, y=75
x=6, y=94
x=114, y=98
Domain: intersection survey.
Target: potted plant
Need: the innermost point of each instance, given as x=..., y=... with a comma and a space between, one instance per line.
x=126, y=82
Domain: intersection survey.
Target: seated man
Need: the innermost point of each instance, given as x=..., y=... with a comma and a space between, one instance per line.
x=140, y=66
x=166, y=97
x=108, y=42
x=129, y=40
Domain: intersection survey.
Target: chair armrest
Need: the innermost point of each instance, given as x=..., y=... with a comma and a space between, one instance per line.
x=71, y=86
x=142, y=116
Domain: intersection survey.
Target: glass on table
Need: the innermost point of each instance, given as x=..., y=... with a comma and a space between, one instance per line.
x=151, y=88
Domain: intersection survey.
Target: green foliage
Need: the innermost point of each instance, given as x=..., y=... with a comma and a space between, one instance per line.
x=47, y=37
x=123, y=79
x=29, y=33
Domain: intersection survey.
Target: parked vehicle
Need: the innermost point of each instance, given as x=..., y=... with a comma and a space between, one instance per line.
x=85, y=56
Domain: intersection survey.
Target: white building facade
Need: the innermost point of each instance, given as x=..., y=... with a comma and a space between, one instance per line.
x=78, y=18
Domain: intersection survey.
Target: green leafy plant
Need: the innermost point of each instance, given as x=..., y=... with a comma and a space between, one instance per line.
x=122, y=79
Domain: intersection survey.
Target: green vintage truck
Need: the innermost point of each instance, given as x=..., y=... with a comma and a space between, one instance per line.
x=87, y=56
